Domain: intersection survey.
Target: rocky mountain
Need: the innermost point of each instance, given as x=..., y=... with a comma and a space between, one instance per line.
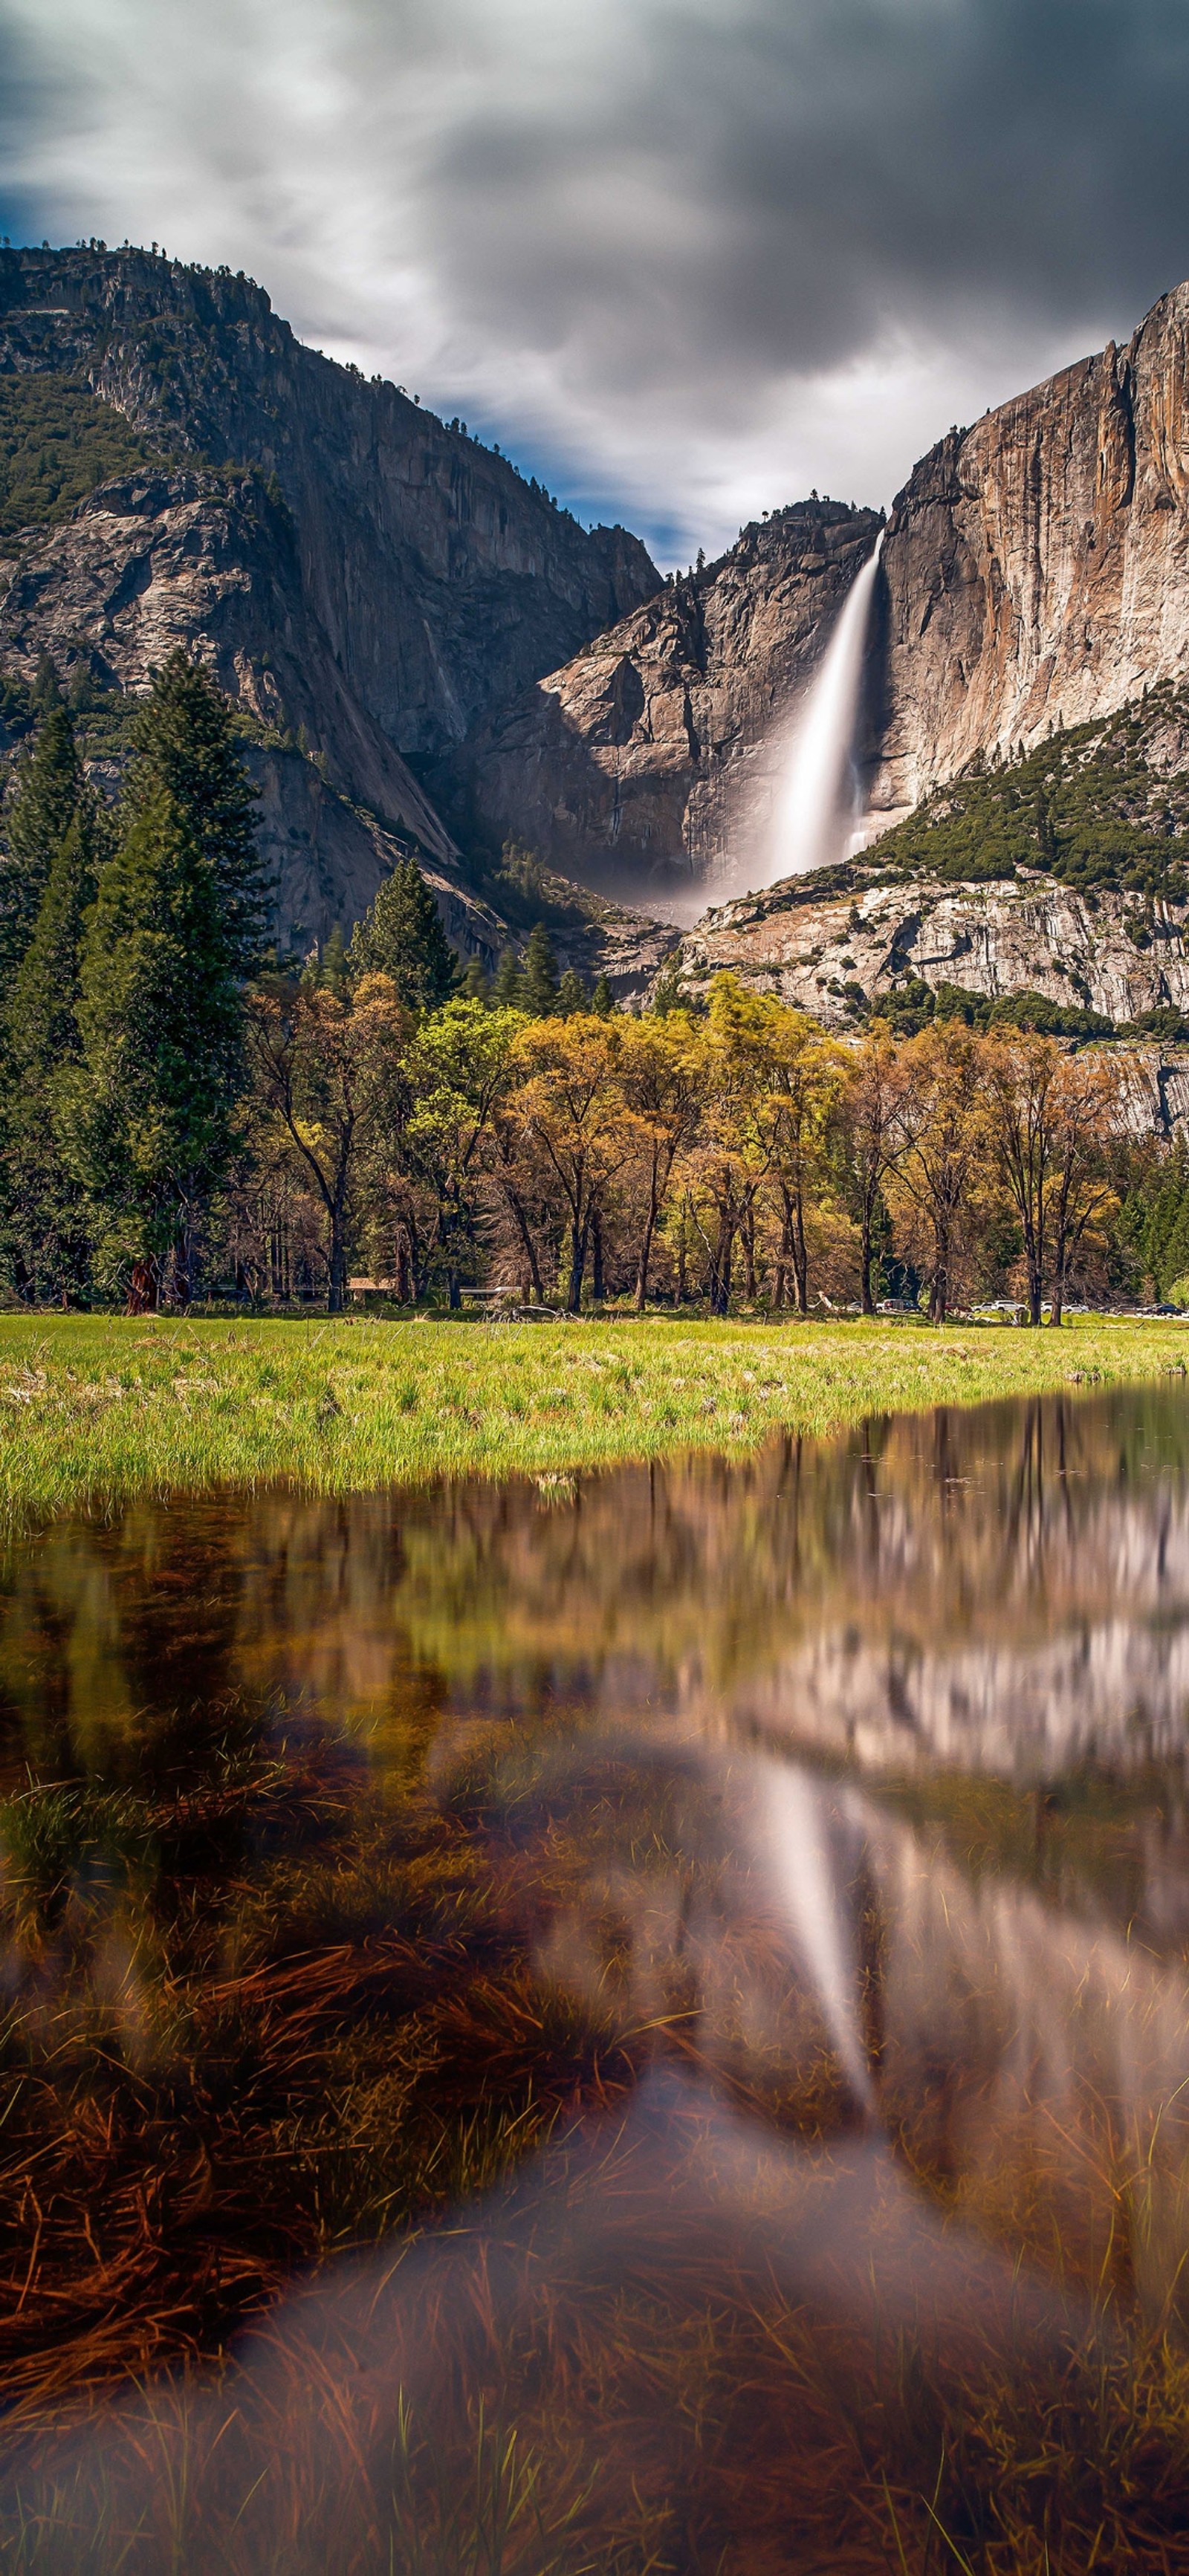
x=1034, y=575
x=367, y=582
x=841, y=946
x=1036, y=567
x=426, y=653
x=1062, y=875
x=645, y=760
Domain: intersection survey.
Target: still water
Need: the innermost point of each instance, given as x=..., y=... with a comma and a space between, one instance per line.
x=630, y=2021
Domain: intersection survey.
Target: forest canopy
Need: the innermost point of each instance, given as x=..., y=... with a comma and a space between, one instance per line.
x=58, y=442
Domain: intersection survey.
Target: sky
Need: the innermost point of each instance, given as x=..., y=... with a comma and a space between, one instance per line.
x=684, y=259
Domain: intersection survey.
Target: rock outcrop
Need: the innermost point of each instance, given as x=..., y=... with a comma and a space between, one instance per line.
x=652, y=755
x=833, y=945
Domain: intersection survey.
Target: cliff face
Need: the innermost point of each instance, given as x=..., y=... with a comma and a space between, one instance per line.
x=651, y=756
x=380, y=582
x=1036, y=566
x=1035, y=574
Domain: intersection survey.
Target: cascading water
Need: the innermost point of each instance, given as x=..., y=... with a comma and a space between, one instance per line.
x=816, y=806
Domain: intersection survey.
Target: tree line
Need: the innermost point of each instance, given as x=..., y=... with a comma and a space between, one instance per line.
x=184, y=1113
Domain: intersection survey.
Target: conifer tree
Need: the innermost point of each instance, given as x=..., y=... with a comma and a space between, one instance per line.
x=507, y=992
x=402, y=936
x=476, y=983
x=47, y=1227
x=37, y=820
x=602, y=1000
x=184, y=749
x=175, y=923
x=667, y=994
x=333, y=962
x=571, y=994
x=540, y=974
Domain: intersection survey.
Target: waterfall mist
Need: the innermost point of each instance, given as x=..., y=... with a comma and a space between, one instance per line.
x=816, y=809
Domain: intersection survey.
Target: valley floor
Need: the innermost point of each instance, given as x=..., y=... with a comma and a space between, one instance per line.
x=104, y=1406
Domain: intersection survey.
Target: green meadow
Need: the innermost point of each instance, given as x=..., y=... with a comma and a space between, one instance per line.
x=107, y=1406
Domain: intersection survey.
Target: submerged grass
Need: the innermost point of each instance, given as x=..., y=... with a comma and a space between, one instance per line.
x=227, y=2066
x=106, y=1406
x=669, y=2357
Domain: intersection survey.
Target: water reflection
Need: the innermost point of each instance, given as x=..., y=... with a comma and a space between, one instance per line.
x=768, y=1880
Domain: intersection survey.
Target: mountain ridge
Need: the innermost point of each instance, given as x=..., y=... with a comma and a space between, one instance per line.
x=360, y=576
x=386, y=601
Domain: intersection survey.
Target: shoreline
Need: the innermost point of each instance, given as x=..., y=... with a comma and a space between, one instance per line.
x=100, y=1408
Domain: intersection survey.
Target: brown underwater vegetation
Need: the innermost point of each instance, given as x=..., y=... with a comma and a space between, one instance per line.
x=478, y=2097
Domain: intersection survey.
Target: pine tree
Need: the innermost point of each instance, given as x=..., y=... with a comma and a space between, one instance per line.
x=38, y=818
x=149, y=1115
x=507, y=992
x=476, y=983
x=332, y=968
x=602, y=1000
x=540, y=974
x=667, y=994
x=402, y=936
x=571, y=994
x=47, y=1229
x=184, y=749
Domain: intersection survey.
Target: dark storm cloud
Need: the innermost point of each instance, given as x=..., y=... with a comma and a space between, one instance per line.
x=694, y=253
x=827, y=168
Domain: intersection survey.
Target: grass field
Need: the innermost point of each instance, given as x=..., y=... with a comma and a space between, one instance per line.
x=104, y=1406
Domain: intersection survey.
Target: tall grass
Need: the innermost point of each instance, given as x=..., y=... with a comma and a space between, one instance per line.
x=104, y=1406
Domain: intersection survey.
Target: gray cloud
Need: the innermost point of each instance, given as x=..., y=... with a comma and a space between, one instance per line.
x=688, y=255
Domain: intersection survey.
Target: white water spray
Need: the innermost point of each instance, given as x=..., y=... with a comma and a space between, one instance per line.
x=815, y=812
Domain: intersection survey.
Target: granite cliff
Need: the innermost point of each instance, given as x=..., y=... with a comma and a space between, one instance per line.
x=1063, y=875
x=1034, y=575
x=1036, y=566
x=427, y=654
x=644, y=761
x=367, y=582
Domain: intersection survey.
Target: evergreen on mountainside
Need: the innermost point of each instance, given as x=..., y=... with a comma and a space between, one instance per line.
x=1154, y=1219
x=185, y=749
x=507, y=992
x=476, y=983
x=58, y=442
x=1088, y=807
x=47, y=1228
x=39, y=813
x=667, y=993
x=602, y=1000
x=914, y=1005
x=401, y=935
x=571, y=994
x=540, y=975
x=149, y=1113
x=330, y=967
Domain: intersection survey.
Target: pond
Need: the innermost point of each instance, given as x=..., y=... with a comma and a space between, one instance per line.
x=631, y=2021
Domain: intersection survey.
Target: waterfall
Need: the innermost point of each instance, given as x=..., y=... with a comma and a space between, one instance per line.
x=816, y=805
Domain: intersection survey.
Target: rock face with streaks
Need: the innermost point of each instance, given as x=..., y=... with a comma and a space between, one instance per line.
x=363, y=578
x=1036, y=567
x=652, y=756
x=1035, y=574
x=196, y=558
